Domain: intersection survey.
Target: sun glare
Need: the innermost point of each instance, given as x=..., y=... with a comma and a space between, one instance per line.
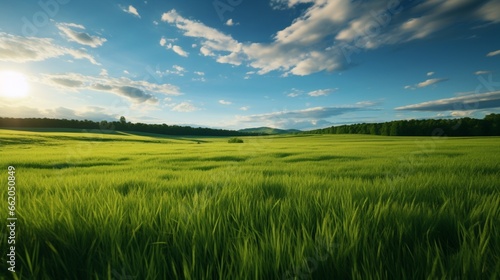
x=13, y=84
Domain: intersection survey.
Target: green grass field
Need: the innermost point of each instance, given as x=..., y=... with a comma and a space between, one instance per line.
x=125, y=206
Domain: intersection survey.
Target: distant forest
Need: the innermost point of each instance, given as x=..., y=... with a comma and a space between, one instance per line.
x=121, y=125
x=489, y=126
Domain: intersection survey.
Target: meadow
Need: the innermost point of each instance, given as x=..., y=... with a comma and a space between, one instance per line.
x=127, y=206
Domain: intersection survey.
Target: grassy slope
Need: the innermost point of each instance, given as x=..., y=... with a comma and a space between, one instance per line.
x=96, y=206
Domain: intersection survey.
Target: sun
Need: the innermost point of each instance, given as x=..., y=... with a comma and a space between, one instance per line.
x=13, y=84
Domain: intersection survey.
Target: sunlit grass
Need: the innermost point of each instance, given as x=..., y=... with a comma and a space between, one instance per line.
x=105, y=206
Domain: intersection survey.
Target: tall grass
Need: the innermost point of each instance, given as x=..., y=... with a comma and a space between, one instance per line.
x=311, y=207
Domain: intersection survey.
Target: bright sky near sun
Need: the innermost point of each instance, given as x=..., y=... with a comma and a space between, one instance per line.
x=235, y=64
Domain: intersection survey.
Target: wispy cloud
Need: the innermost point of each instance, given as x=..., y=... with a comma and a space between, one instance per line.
x=136, y=91
x=322, y=92
x=213, y=40
x=426, y=83
x=460, y=103
x=184, y=107
x=83, y=38
x=430, y=82
x=175, y=70
x=482, y=72
x=313, y=113
x=493, y=53
x=24, y=49
x=310, y=117
x=224, y=102
x=94, y=113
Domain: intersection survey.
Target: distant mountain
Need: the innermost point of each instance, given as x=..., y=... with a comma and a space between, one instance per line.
x=268, y=130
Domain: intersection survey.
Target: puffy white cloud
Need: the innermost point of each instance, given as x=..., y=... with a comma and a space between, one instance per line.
x=24, y=49
x=244, y=108
x=78, y=36
x=136, y=91
x=430, y=73
x=460, y=103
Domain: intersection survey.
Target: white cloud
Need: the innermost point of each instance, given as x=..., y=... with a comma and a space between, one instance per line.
x=103, y=72
x=244, y=108
x=224, y=102
x=206, y=52
x=176, y=70
x=279, y=4
x=184, y=107
x=409, y=87
x=302, y=118
x=321, y=92
x=493, y=53
x=178, y=50
x=79, y=36
x=327, y=33
x=460, y=103
x=163, y=41
x=212, y=39
x=295, y=92
x=199, y=73
x=24, y=49
x=430, y=82
x=490, y=11
x=230, y=22
x=366, y=103
x=430, y=73
x=136, y=91
x=93, y=113
x=482, y=72
x=461, y=114
x=131, y=10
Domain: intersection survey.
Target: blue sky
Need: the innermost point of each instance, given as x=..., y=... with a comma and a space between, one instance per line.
x=238, y=63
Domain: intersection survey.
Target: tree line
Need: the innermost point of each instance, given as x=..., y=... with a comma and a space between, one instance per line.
x=488, y=126
x=121, y=125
